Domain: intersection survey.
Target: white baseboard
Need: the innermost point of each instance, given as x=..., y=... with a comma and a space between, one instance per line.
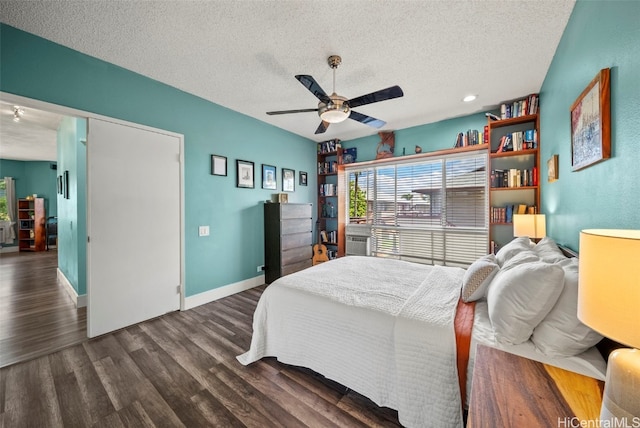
x=220, y=292
x=79, y=301
x=14, y=249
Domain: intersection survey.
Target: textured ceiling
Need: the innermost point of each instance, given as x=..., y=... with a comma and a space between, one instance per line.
x=244, y=54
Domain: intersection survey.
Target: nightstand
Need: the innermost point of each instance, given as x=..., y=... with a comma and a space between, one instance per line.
x=512, y=391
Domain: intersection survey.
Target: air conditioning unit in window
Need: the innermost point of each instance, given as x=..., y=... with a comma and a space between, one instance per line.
x=358, y=239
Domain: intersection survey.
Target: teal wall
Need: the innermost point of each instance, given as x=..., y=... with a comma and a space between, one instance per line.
x=430, y=137
x=39, y=69
x=600, y=34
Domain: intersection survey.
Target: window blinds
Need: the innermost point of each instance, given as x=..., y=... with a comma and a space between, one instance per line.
x=431, y=211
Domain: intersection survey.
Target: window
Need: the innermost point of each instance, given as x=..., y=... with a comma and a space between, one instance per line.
x=429, y=211
x=4, y=214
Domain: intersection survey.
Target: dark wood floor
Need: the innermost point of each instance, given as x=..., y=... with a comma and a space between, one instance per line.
x=37, y=316
x=178, y=370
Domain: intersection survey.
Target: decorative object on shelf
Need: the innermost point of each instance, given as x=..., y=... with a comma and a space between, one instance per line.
x=245, y=174
x=303, y=178
x=418, y=149
x=65, y=184
x=531, y=225
x=608, y=296
x=349, y=155
x=269, y=180
x=288, y=180
x=386, y=145
x=552, y=168
x=281, y=198
x=218, y=165
x=591, y=123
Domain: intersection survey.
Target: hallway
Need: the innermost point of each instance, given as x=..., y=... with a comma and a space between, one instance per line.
x=37, y=316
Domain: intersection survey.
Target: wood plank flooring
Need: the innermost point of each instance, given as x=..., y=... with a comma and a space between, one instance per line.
x=178, y=370
x=37, y=316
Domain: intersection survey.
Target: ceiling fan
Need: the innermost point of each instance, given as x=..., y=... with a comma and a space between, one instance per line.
x=335, y=108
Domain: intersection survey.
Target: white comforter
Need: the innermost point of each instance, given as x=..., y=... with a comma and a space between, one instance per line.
x=381, y=327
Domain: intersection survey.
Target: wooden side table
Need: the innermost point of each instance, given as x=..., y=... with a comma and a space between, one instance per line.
x=512, y=391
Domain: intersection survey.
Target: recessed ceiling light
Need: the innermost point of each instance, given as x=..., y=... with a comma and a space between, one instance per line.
x=469, y=98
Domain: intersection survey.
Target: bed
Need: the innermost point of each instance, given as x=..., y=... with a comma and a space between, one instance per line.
x=387, y=328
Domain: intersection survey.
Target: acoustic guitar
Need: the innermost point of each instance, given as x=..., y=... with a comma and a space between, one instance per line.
x=319, y=250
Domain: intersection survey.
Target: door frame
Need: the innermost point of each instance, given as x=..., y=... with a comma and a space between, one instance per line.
x=68, y=111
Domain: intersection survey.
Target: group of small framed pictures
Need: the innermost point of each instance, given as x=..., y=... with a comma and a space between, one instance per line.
x=245, y=174
x=62, y=184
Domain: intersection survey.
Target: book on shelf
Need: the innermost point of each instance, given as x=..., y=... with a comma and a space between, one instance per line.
x=523, y=107
x=327, y=189
x=327, y=167
x=329, y=146
x=513, y=177
x=516, y=141
x=505, y=214
x=471, y=138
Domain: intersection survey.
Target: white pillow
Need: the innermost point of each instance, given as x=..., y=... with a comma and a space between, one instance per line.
x=478, y=277
x=520, y=297
x=512, y=248
x=561, y=334
x=526, y=256
x=549, y=251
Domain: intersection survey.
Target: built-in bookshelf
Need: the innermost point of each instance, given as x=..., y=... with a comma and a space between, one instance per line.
x=330, y=226
x=514, y=165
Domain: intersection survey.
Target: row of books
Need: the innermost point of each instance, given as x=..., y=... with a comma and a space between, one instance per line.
x=472, y=137
x=505, y=214
x=514, y=177
x=523, y=107
x=328, y=189
x=329, y=236
x=521, y=140
x=329, y=146
x=327, y=167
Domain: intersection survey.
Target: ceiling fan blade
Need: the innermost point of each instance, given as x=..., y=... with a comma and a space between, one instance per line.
x=322, y=127
x=304, y=110
x=367, y=120
x=374, y=97
x=313, y=87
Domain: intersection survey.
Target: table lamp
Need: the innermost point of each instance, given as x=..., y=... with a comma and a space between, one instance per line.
x=531, y=225
x=609, y=302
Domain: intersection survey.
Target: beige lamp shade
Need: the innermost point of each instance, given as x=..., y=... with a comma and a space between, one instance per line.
x=609, y=283
x=531, y=225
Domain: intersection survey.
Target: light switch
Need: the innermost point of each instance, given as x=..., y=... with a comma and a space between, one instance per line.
x=203, y=231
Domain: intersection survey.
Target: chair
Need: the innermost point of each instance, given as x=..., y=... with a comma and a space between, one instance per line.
x=51, y=229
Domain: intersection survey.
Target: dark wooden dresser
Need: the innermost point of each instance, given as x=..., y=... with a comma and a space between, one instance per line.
x=288, y=230
x=512, y=391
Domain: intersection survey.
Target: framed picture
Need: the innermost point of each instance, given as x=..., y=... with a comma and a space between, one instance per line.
x=269, y=177
x=303, y=178
x=552, y=168
x=218, y=165
x=288, y=180
x=65, y=184
x=245, y=174
x=59, y=184
x=591, y=123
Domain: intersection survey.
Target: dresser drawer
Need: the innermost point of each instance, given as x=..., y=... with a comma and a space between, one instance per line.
x=296, y=225
x=295, y=211
x=295, y=255
x=294, y=240
x=286, y=270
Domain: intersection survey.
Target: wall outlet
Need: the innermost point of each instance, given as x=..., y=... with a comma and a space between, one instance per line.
x=203, y=231
x=260, y=268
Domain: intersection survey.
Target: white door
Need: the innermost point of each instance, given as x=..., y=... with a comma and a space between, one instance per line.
x=133, y=225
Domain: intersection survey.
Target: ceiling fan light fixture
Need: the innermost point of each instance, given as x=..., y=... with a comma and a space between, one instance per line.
x=336, y=111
